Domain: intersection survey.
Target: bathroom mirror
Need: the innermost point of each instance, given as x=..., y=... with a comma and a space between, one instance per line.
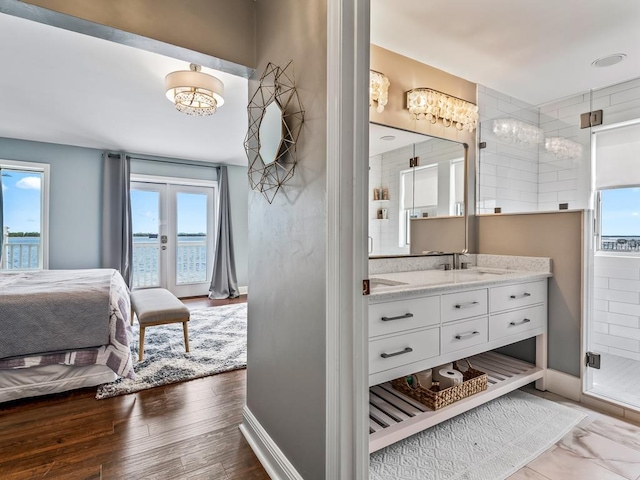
x=417, y=188
x=271, y=133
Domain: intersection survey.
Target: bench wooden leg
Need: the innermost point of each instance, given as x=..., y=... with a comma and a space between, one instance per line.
x=186, y=336
x=141, y=346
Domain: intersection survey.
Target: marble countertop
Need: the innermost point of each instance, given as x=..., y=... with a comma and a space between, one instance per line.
x=393, y=286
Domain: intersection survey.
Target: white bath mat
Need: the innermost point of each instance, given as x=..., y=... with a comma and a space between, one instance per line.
x=489, y=442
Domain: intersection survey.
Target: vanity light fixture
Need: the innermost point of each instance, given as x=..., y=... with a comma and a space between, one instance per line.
x=517, y=132
x=378, y=90
x=563, y=147
x=428, y=104
x=194, y=92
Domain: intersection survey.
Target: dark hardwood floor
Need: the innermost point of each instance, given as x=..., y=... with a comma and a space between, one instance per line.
x=187, y=430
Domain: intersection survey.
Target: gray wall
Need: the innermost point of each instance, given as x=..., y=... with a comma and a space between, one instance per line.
x=557, y=235
x=221, y=28
x=75, y=213
x=287, y=253
x=75, y=191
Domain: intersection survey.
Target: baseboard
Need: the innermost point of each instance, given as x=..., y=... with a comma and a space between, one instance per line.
x=564, y=385
x=271, y=457
x=243, y=290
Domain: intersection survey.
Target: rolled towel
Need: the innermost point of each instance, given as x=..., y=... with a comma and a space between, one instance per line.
x=425, y=378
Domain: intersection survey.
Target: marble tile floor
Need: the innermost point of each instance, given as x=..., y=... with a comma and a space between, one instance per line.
x=618, y=378
x=600, y=447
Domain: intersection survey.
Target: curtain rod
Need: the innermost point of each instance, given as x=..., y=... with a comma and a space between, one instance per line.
x=192, y=163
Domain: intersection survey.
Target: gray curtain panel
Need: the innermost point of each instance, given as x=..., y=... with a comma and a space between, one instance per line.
x=1, y=220
x=117, y=232
x=223, y=281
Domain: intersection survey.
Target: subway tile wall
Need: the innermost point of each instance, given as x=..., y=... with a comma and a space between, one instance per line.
x=508, y=172
x=616, y=302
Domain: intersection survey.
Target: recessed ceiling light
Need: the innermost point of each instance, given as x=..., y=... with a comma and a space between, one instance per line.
x=608, y=60
x=388, y=138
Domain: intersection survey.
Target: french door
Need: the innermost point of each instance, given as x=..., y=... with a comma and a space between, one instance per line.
x=173, y=235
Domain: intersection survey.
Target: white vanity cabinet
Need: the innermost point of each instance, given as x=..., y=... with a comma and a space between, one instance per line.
x=416, y=332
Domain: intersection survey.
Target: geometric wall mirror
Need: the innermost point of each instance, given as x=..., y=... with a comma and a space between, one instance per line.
x=276, y=116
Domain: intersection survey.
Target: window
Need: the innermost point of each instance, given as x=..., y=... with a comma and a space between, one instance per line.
x=24, y=218
x=617, y=185
x=619, y=213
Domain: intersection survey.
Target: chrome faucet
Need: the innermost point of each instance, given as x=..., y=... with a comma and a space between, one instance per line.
x=457, y=264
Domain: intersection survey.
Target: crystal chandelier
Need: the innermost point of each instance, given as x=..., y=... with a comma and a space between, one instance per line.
x=563, y=147
x=194, y=92
x=427, y=104
x=517, y=132
x=378, y=90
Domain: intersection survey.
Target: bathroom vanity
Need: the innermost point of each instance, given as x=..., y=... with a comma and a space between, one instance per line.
x=422, y=319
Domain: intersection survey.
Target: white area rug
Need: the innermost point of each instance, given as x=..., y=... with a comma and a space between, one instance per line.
x=490, y=442
x=217, y=340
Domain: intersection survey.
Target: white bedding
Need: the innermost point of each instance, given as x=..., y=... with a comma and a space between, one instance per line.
x=48, y=379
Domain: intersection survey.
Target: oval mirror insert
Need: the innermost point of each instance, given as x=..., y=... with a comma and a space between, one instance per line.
x=271, y=133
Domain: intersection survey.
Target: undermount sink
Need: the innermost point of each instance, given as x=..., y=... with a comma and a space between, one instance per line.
x=374, y=282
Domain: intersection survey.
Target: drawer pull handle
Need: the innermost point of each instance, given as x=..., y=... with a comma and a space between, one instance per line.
x=526, y=320
x=399, y=317
x=402, y=352
x=466, y=335
x=524, y=295
x=466, y=305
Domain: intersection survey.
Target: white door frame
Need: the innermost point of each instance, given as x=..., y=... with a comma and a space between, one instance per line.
x=347, y=434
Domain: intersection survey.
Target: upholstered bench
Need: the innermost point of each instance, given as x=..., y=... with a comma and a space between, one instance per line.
x=157, y=306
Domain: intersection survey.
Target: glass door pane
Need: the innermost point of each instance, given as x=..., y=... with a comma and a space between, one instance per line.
x=191, y=238
x=145, y=213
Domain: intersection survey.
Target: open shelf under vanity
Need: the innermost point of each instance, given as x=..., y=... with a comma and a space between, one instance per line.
x=394, y=416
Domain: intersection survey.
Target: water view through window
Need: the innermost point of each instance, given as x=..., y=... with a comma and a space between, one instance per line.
x=22, y=213
x=620, y=219
x=191, y=242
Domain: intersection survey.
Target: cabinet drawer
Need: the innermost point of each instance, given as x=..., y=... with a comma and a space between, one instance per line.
x=519, y=295
x=400, y=350
x=464, y=334
x=518, y=321
x=456, y=306
x=394, y=317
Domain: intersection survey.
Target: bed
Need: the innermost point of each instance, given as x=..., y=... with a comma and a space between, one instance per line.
x=62, y=330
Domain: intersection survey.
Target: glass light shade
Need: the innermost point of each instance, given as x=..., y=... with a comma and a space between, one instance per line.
x=378, y=90
x=563, y=147
x=194, y=92
x=517, y=132
x=431, y=105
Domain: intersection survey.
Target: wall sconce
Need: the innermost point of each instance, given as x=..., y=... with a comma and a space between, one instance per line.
x=378, y=90
x=517, y=132
x=563, y=147
x=427, y=104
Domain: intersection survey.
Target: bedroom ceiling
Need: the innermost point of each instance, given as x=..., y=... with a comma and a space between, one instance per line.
x=63, y=87
x=537, y=51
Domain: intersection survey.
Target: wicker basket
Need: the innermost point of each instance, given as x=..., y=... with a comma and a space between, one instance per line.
x=475, y=381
